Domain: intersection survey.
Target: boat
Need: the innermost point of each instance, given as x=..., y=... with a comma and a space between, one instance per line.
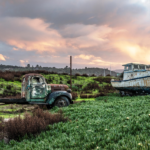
x=136, y=80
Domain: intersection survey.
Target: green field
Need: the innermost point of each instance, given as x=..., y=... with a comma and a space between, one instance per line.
x=110, y=122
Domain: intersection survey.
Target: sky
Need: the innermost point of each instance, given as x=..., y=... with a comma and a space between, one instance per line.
x=96, y=33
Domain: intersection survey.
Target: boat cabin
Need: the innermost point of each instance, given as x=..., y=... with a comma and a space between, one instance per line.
x=132, y=67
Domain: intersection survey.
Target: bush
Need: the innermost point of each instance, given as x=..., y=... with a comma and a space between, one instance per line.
x=83, y=96
x=1, y=127
x=102, y=79
x=18, y=127
x=65, y=74
x=77, y=74
x=49, y=80
x=18, y=79
x=84, y=75
x=9, y=87
x=68, y=82
x=74, y=95
x=91, y=86
x=1, y=85
x=93, y=75
x=91, y=96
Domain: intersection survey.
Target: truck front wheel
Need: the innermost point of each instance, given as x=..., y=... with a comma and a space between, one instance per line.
x=62, y=102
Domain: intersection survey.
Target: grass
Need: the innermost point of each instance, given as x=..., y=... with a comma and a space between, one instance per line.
x=111, y=122
x=86, y=99
x=6, y=116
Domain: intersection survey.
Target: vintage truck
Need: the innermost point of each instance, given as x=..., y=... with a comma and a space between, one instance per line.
x=35, y=90
x=136, y=80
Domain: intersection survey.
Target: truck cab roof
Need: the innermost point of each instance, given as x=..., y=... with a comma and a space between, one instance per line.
x=26, y=76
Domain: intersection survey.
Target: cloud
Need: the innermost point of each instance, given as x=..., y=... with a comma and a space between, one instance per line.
x=29, y=34
x=2, y=57
x=24, y=62
x=95, y=33
x=60, y=14
x=84, y=56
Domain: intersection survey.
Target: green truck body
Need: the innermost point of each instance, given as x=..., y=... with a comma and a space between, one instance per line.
x=35, y=90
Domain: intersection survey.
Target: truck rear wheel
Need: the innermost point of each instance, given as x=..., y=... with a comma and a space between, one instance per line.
x=62, y=102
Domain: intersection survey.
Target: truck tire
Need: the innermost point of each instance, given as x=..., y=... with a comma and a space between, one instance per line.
x=62, y=101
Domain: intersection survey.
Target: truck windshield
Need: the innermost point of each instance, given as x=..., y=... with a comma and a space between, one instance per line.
x=36, y=80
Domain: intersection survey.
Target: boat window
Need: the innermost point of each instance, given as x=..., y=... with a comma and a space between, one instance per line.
x=135, y=66
x=142, y=67
x=147, y=67
x=128, y=68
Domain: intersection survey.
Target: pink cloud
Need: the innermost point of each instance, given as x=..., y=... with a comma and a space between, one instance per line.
x=2, y=57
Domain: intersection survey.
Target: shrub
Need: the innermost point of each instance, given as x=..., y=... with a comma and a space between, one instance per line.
x=74, y=95
x=68, y=82
x=17, y=74
x=1, y=127
x=108, y=87
x=77, y=74
x=91, y=86
x=1, y=85
x=91, y=96
x=49, y=80
x=18, y=79
x=83, y=96
x=102, y=79
x=93, y=75
x=8, y=77
x=84, y=75
x=102, y=94
x=65, y=74
x=9, y=87
x=1, y=131
x=18, y=127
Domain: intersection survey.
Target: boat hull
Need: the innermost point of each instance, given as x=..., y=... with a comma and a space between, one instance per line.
x=141, y=85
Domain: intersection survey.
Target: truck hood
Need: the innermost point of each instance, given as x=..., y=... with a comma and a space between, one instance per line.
x=58, y=87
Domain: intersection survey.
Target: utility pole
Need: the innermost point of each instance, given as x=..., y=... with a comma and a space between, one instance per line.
x=104, y=72
x=110, y=70
x=71, y=72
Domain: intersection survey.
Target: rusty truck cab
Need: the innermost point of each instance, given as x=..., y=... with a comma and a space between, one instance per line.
x=34, y=88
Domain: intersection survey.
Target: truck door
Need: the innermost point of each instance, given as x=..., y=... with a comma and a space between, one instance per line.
x=38, y=88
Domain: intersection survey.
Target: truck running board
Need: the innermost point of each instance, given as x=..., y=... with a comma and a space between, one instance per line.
x=36, y=103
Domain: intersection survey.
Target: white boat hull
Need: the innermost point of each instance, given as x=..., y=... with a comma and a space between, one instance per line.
x=141, y=84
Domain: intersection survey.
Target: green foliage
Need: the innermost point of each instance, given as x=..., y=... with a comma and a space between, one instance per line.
x=110, y=122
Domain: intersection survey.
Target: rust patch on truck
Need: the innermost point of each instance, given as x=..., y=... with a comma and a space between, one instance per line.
x=58, y=87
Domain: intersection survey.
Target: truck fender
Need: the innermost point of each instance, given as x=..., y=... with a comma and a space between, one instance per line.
x=54, y=95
